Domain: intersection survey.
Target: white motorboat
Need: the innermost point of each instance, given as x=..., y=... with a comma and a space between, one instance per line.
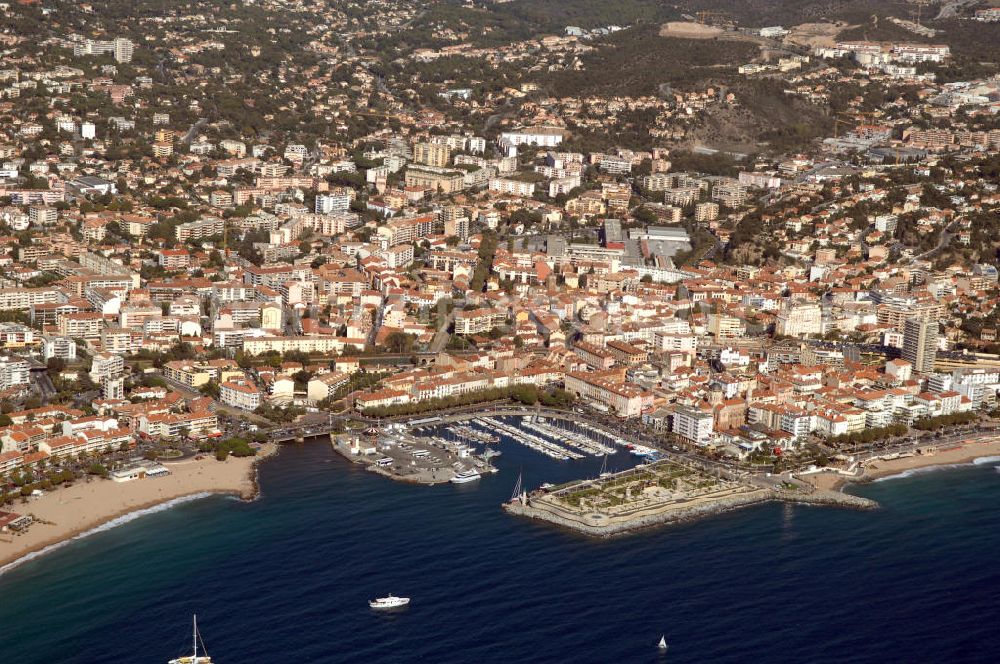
x=465, y=476
x=390, y=602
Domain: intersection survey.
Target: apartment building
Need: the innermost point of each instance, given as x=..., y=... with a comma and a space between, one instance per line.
x=24, y=298
x=62, y=347
x=621, y=399
x=43, y=215
x=478, y=321
x=934, y=140
x=799, y=320
x=731, y=194
x=896, y=311
x=381, y=399
x=174, y=259
x=83, y=325
x=134, y=316
x=135, y=225
x=920, y=340
x=240, y=394
x=596, y=357
x=220, y=198
x=332, y=203
x=15, y=336
x=120, y=48
x=326, y=385
x=563, y=185
x=512, y=187
x=706, y=211
x=202, y=228
x=432, y=154
x=317, y=344
x=441, y=181
x=626, y=354
x=14, y=371
x=196, y=374
x=542, y=136
x=692, y=425
x=682, y=196
x=725, y=327
x=104, y=365
x=408, y=229
x=173, y=425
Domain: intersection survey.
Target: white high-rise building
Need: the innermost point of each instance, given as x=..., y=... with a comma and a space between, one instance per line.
x=113, y=387
x=693, y=425
x=920, y=339
x=123, y=49
x=13, y=371
x=105, y=365
x=332, y=203
x=61, y=347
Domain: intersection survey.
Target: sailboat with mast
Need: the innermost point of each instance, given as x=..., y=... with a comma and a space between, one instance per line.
x=519, y=494
x=194, y=658
x=604, y=467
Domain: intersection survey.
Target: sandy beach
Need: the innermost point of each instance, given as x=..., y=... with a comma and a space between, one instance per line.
x=66, y=512
x=875, y=469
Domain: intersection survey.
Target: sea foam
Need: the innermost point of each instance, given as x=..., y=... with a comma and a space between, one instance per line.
x=108, y=525
x=978, y=461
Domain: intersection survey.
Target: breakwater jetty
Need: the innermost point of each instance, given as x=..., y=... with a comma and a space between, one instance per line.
x=660, y=493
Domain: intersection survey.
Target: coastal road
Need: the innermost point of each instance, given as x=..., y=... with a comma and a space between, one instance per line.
x=928, y=440
x=193, y=131
x=954, y=9
x=441, y=337
x=505, y=110
x=943, y=241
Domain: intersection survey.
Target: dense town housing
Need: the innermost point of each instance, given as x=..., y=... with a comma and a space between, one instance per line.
x=776, y=248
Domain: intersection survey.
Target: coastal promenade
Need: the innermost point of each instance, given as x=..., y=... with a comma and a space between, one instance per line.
x=949, y=451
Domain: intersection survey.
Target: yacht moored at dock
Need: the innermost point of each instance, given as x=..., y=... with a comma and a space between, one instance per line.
x=465, y=476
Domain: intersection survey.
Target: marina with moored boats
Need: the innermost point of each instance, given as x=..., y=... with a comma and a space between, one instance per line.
x=662, y=487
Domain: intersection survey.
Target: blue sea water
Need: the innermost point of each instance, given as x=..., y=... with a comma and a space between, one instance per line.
x=286, y=578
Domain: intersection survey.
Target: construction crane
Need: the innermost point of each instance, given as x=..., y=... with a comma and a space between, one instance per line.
x=704, y=15
x=839, y=119
x=920, y=6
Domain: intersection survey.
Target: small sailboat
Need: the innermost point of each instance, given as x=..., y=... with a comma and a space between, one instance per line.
x=662, y=645
x=519, y=492
x=604, y=467
x=194, y=658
